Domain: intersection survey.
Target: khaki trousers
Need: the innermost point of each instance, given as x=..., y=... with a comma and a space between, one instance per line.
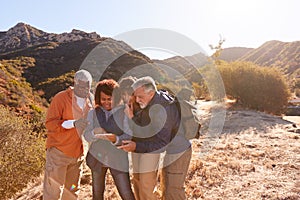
x=144, y=180
x=173, y=175
x=62, y=175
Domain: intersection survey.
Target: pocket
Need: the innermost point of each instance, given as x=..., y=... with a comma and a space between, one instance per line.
x=91, y=161
x=49, y=160
x=175, y=179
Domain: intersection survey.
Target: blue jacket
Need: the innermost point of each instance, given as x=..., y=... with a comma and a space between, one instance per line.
x=152, y=126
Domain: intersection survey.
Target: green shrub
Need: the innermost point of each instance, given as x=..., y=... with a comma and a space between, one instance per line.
x=255, y=87
x=21, y=154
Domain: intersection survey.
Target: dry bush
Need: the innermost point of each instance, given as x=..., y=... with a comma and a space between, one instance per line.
x=255, y=87
x=21, y=154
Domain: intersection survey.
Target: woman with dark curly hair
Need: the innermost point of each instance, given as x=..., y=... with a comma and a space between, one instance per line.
x=107, y=117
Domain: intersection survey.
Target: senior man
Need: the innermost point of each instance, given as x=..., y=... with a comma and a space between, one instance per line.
x=152, y=129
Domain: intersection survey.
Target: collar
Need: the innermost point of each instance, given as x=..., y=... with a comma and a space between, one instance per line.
x=154, y=99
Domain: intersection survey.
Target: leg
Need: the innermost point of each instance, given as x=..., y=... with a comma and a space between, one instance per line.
x=145, y=175
x=123, y=185
x=136, y=183
x=55, y=174
x=72, y=182
x=173, y=175
x=98, y=183
x=147, y=185
x=136, y=178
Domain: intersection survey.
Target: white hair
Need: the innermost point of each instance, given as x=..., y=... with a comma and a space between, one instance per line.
x=146, y=82
x=83, y=75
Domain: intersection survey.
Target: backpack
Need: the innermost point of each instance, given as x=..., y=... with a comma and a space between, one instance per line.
x=190, y=120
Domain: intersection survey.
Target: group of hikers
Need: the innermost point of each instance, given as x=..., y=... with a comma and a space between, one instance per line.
x=131, y=115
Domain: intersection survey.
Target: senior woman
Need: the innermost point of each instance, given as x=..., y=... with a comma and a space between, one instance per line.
x=107, y=117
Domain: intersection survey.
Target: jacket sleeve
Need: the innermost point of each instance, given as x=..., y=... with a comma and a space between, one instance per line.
x=88, y=133
x=54, y=118
x=127, y=132
x=162, y=129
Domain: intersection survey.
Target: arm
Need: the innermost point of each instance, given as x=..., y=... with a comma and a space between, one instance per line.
x=160, y=141
x=54, y=118
x=94, y=131
x=127, y=135
x=88, y=134
x=122, y=121
x=159, y=132
x=60, y=117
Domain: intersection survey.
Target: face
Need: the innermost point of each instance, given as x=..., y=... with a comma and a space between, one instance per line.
x=81, y=88
x=143, y=98
x=106, y=101
x=127, y=97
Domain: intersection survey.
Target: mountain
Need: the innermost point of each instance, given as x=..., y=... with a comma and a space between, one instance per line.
x=283, y=55
x=55, y=58
x=55, y=55
x=184, y=64
x=23, y=36
x=35, y=64
x=234, y=53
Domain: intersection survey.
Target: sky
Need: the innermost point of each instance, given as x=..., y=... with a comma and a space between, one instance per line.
x=242, y=23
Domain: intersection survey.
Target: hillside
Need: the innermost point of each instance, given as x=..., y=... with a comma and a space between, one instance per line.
x=56, y=55
x=22, y=36
x=256, y=157
x=184, y=64
x=284, y=55
x=15, y=91
x=234, y=53
x=59, y=55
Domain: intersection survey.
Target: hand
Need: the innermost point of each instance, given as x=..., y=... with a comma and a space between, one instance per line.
x=129, y=110
x=106, y=136
x=128, y=145
x=81, y=124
